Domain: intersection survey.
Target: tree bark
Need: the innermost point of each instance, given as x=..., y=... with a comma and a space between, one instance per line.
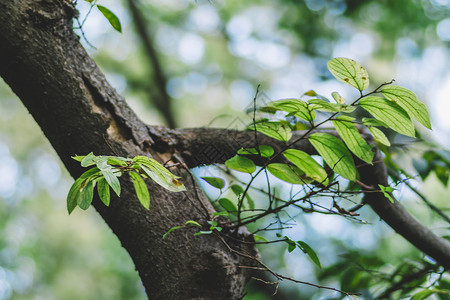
x=43, y=62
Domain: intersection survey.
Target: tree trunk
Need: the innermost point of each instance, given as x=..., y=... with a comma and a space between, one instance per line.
x=43, y=62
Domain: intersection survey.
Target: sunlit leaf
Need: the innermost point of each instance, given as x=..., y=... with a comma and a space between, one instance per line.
x=423, y=294
x=338, y=98
x=389, y=113
x=259, y=238
x=322, y=105
x=89, y=160
x=159, y=174
x=241, y=164
x=215, y=182
x=295, y=107
x=111, y=17
x=276, y=130
x=353, y=139
x=335, y=154
x=307, y=164
x=409, y=102
x=379, y=136
x=289, y=173
x=373, y=122
x=192, y=222
x=103, y=191
x=349, y=71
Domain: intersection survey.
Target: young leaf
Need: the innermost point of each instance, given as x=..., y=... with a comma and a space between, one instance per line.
x=275, y=130
x=87, y=193
x=338, y=98
x=296, y=107
x=307, y=164
x=389, y=113
x=78, y=157
x=191, y=222
x=379, y=136
x=259, y=238
x=228, y=205
x=291, y=244
x=216, y=182
x=335, y=154
x=310, y=252
x=322, y=105
x=116, y=160
x=74, y=195
x=170, y=230
x=264, y=150
x=141, y=189
x=288, y=173
x=89, y=160
x=386, y=190
x=241, y=164
x=373, y=122
x=350, y=72
x=409, y=102
x=350, y=135
x=103, y=191
x=111, y=17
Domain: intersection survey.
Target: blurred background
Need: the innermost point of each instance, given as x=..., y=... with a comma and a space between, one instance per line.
x=198, y=63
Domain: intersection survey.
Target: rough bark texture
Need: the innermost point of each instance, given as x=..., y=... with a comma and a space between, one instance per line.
x=44, y=64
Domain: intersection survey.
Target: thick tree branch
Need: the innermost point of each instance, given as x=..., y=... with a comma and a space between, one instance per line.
x=210, y=145
x=43, y=62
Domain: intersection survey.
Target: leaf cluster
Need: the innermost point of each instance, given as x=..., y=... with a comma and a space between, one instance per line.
x=105, y=172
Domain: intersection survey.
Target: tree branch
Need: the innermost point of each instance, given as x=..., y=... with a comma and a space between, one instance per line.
x=209, y=145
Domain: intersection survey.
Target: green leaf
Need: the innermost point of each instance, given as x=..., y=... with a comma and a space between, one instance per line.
x=310, y=252
x=228, y=205
x=423, y=294
x=116, y=160
x=276, y=130
x=192, y=222
x=373, y=122
x=338, y=98
x=379, y=136
x=159, y=174
x=103, y=191
x=307, y=164
x=259, y=238
x=87, y=193
x=288, y=173
x=335, y=154
x=264, y=150
x=92, y=173
x=112, y=180
x=89, y=160
x=203, y=232
x=389, y=113
x=350, y=72
x=241, y=164
x=170, y=230
x=74, y=194
x=220, y=213
x=141, y=189
x=386, y=190
x=353, y=139
x=238, y=190
x=216, y=182
x=409, y=102
x=322, y=105
x=111, y=17
x=78, y=157
x=295, y=107
x=291, y=244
